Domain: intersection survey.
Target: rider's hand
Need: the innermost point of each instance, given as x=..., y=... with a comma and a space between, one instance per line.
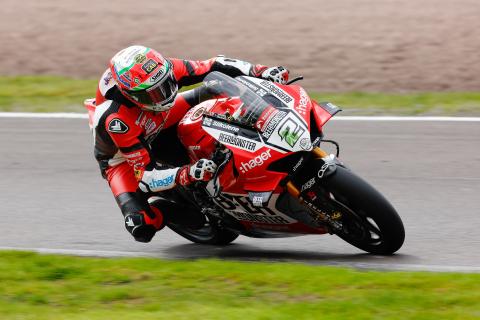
x=276, y=74
x=202, y=170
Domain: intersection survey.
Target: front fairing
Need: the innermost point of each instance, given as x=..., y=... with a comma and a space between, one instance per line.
x=278, y=117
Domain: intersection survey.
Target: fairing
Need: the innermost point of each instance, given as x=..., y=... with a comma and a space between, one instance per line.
x=260, y=122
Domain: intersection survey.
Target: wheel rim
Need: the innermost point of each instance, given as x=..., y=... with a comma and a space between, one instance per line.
x=358, y=226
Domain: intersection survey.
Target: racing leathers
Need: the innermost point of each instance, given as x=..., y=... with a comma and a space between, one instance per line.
x=128, y=143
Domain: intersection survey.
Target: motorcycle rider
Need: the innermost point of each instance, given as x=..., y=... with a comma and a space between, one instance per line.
x=136, y=99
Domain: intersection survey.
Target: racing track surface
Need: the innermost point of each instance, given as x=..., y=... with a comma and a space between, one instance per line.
x=53, y=197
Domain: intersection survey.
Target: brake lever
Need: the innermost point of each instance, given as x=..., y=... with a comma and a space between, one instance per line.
x=294, y=80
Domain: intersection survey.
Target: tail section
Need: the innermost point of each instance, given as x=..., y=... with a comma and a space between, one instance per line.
x=90, y=105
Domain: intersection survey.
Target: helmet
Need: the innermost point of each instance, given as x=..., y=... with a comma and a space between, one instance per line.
x=145, y=78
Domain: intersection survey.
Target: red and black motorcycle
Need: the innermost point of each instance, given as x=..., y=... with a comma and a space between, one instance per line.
x=273, y=178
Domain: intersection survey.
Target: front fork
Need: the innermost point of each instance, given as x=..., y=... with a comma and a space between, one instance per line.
x=318, y=154
x=318, y=214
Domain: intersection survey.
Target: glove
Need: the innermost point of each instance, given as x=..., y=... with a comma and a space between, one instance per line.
x=276, y=74
x=142, y=226
x=202, y=170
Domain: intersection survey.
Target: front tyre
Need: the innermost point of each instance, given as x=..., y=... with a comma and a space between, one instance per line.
x=369, y=222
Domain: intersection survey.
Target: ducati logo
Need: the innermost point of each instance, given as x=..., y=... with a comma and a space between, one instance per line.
x=117, y=126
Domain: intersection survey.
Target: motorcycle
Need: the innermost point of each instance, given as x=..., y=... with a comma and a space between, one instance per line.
x=274, y=178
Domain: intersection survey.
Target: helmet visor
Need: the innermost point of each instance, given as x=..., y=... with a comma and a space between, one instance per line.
x=158, y=94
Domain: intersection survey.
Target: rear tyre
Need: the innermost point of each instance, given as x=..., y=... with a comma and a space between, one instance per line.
x=209, y=233
x=369, y=222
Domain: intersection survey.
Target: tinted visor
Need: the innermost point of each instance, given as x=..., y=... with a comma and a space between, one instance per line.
x=158, y=94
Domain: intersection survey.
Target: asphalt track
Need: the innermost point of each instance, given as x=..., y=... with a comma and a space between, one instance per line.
x=54, y=200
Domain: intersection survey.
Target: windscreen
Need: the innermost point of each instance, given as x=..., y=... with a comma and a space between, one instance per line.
x=253, y=105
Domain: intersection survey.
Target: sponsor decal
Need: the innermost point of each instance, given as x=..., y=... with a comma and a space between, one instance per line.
x=207, y=122
x=261, y=92
x=290, y=131
x=305, y=144
x=277, y=92
x=117, y=126
x=140, y=58
x=149, y=66
x=123, y=81
x=302, y=104
x=299, y=163
x=323, y=169
x=129, y=222
x=132, y=155
x=138, y=170
x=308, y=184
x=242, y=209
x=271, y=124
x=259, y=199
x=220, y=125
x=157, y=183
x=133, y=162
x=259, y=218
x=258, y=161
x=136, y=80
x=107, y=78
x=237, y=142
x=197, y=114
x=150, y=125
x=128, y=76
x=264, y=118
x=250, y=85
x=158, y=75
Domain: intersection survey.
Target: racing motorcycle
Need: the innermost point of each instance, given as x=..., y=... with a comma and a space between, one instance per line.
x=274, y=178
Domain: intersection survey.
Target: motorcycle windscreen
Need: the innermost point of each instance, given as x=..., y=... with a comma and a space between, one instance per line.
x=219, y=84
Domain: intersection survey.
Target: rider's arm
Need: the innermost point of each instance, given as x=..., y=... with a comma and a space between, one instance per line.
x=188, y=72
x=128, y=138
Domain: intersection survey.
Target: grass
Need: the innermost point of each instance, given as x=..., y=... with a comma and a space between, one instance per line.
x=36, y=286
x=59, y=94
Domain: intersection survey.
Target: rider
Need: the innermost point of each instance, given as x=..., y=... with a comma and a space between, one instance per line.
x=136, y=99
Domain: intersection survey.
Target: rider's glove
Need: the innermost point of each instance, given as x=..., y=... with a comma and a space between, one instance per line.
x=276, y=74
x=142, y=226
x=202, y=170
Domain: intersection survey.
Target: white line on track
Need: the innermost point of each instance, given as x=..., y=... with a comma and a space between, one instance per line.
x=339, y=118
x=359, y=265
x=43, y=115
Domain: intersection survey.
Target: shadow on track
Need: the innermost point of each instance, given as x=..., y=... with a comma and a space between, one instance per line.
x=242, y=252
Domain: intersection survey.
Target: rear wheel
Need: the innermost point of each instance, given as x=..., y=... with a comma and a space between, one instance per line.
x=368, y=221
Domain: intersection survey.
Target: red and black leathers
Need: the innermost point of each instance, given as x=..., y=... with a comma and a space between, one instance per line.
x=128, y=143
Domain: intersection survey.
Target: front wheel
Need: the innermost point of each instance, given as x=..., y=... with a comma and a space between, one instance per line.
x=368, y=221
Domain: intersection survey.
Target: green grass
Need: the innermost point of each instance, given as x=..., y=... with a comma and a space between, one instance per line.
x=58, y=94
x=36, y=286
